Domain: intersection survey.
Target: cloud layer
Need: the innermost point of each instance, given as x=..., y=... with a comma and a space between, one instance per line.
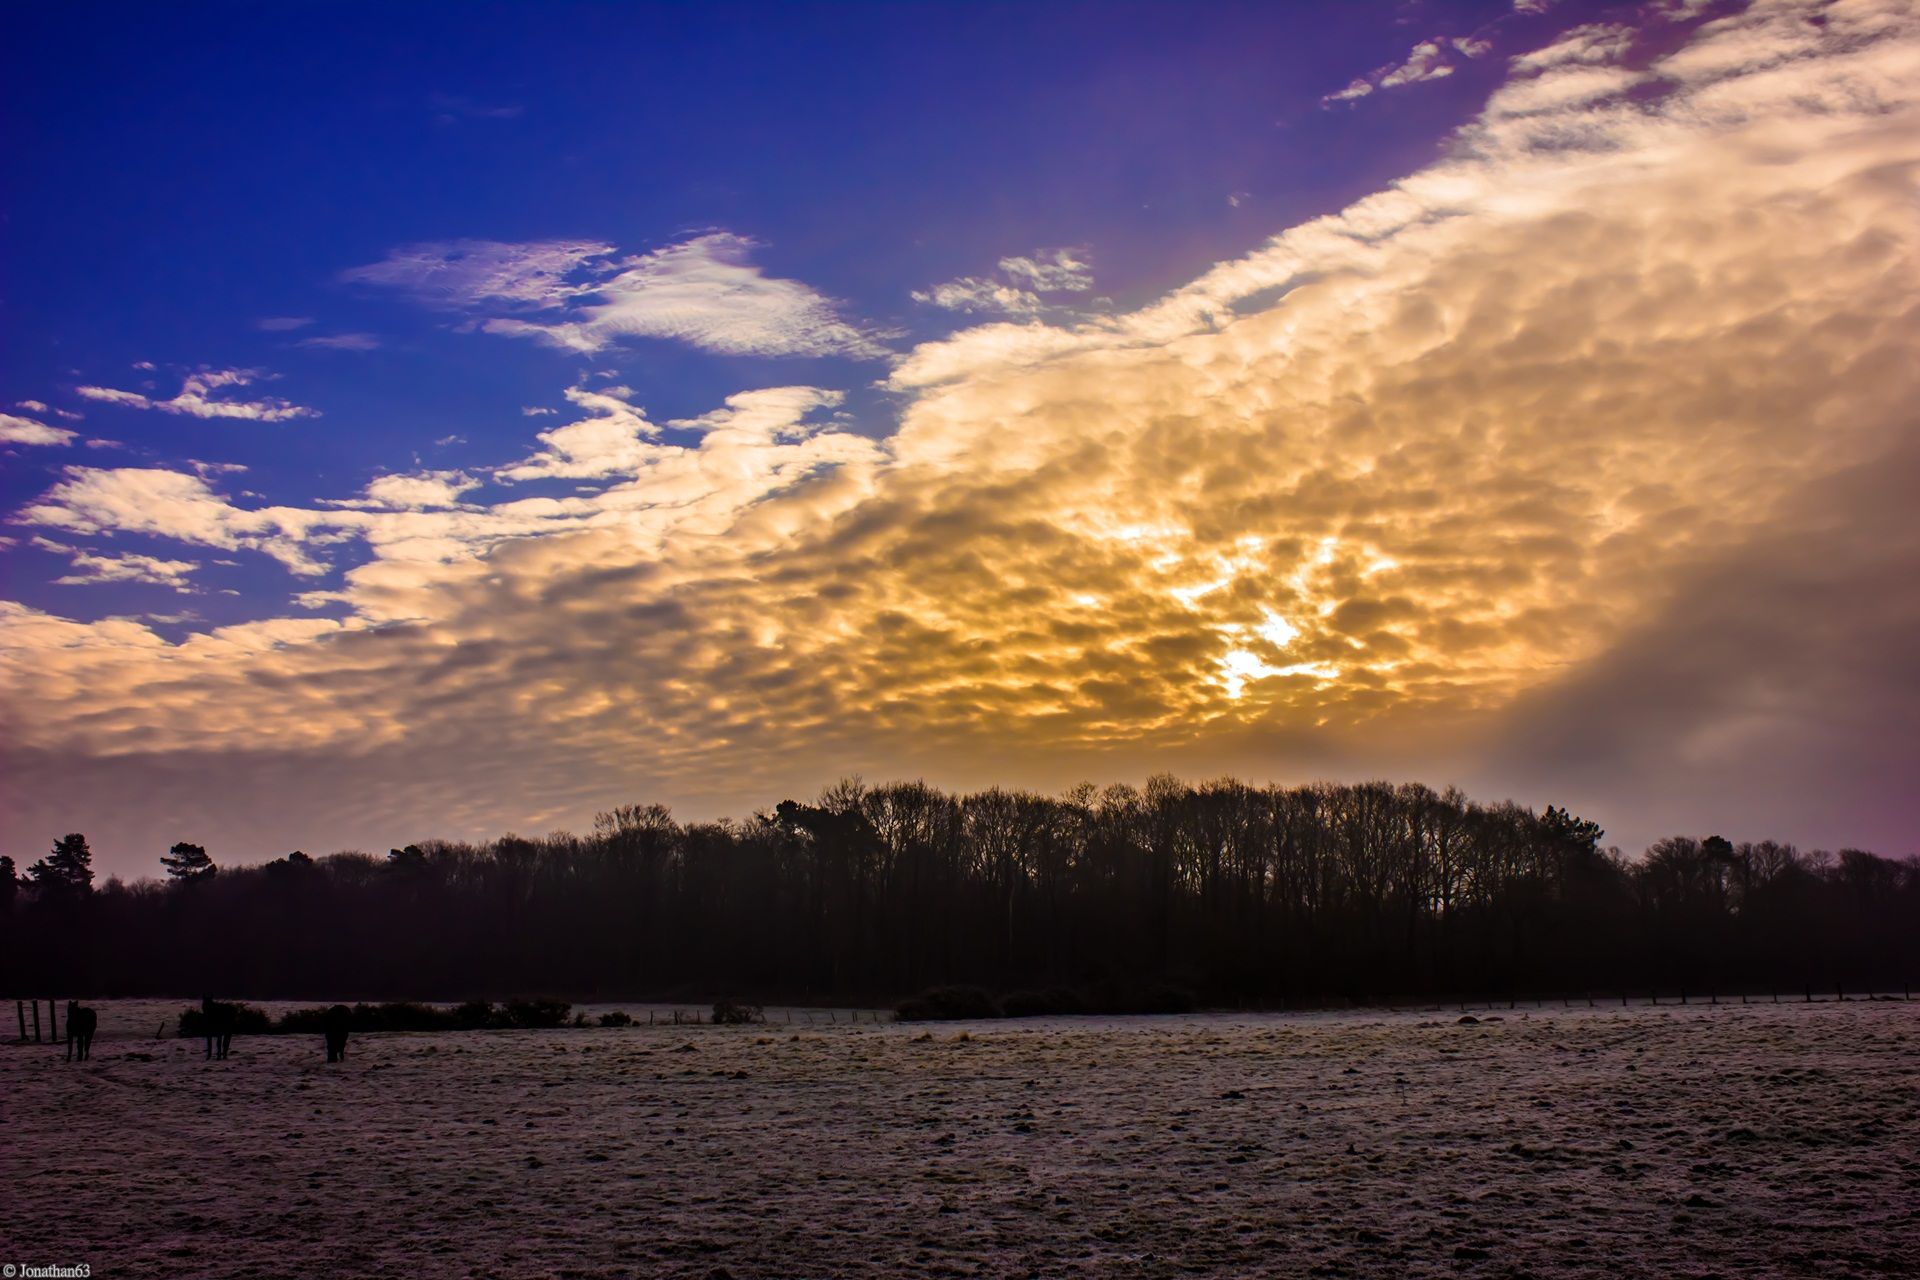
x=1527, y=469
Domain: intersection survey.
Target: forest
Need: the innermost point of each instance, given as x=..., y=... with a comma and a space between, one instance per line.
x=1237, y=894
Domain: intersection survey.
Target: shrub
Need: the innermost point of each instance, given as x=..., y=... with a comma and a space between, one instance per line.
x=618, y=1018
x=302, y=1022
x=731, y=1013
x=948, y=1004
x=475, y=1015
x=400, y=1015
x=538, y=1013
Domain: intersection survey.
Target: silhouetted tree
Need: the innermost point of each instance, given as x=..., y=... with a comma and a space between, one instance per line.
x=185, y=862
x=871, y=892
x=67, y=871
x=9, y=884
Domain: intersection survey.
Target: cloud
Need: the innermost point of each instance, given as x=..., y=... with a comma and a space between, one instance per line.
x=612, y=437
x=423, y=530
x=97, y=567
x=17, y=430
x=282, y=324
x=1018, y=292
x=1051, y=271
x=757, y=417
x=459, y=274
x=170, y=504
x=1575, y=461
x=972, y=293
x=195, y=398
x=452, y=108
x=704, y=292
x=1765, y=694
x=1433, y=59
x=341, y=342
x=424, y=491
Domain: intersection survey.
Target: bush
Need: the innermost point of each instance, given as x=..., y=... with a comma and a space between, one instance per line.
x=1050, y=1003
x=537, y=1013
x=731, y=1013
x=400, y=1015
x=301, y=1022
x=476, y=1015
x=948, y=1004
x=618, y=1018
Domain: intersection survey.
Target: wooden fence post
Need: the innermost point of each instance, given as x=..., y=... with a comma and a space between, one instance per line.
x=20, y=1012
x=36, y=1021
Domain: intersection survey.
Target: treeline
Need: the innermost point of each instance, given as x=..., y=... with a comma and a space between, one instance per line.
x=1236, y=893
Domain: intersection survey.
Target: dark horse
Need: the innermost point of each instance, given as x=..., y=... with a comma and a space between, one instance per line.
x=81, y=1022
x=218, y=1017
x=335, y=1023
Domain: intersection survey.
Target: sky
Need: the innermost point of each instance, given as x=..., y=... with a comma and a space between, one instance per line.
x=434, y=421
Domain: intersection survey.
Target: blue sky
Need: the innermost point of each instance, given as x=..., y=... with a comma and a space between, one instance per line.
x=382, y=249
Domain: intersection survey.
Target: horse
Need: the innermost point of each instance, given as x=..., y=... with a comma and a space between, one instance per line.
x=335, y=1023
x=218, y=1017
x=81, y=1023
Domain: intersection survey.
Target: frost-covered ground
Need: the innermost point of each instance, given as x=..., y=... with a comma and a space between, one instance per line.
x=1737, y=1140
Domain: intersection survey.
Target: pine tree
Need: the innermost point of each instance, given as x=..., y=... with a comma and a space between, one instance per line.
x=186, y=862
x=67, y=871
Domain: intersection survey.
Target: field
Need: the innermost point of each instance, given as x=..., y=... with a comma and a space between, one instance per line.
x=1733, y=1140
